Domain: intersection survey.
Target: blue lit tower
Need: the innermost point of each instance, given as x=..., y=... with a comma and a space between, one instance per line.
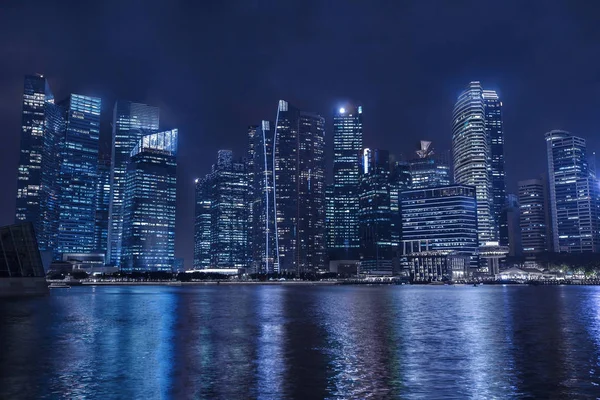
x=150, y=203
x=495, y=132
x=573, y=194
x=131, y=121
x=222, y=215
x=343, y=232
x=78, y=176
x=472, y=155
x=428, y=169
x=37, y=98
x=299, y=165
x=103, y=202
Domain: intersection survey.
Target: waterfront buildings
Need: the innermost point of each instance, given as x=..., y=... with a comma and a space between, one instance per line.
x=574, y=197
x=440, y=219
x=102, y=203
x=222, y=213
x=343, y=227
x=78, y=175
x=477, y=146
x=429, y=169
x=131, y=121
x=150, y=204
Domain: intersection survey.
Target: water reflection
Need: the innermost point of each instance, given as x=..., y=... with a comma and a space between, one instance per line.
x=273, y=342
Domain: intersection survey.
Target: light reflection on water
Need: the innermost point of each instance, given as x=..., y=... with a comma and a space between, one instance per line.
x=273, y=342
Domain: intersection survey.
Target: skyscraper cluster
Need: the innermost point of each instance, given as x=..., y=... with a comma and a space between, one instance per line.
x=83, y=201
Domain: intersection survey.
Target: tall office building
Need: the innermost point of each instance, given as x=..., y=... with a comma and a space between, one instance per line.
x=343, y=231
x=150, y=204
x=131, y=121
x=37, y=98
x=574, y=197
x=477, y=147
x=299, y=189
x=429, y=169
x=382, y=180
x=78, y=175
x=222, y=215
x=495, y=131
x=262, y=201
x=440, y=219
x=533, y=217
x=103, y=203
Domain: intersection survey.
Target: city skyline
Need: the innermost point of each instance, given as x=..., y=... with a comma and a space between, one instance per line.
x=212, y=101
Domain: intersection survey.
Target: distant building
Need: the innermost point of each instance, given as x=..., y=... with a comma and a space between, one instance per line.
x=382, y=180
x=510, y=224
x=222, y=215
x=440, y=219
x=428, y=169
x=343, y=228
x=131, y=121
x=102, y=205
x=150, y=204
x=574, y=197
x=78, y=176
x=533, y=217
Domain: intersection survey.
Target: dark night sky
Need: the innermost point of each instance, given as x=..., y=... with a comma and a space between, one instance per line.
x=215, y=67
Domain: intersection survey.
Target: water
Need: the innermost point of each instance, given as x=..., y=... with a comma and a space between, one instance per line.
x=275, y=342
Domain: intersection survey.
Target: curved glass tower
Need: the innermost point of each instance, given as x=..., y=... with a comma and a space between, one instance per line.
x=472, y=154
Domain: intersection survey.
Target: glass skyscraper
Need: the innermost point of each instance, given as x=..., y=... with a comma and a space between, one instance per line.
x=103, y=203
x=222, y=215
x=131, y=121
x=343, y=231
x=37, y=98
x=477, y=147
x=440, y=218
x=78, y=175
x=150, y=204
x=428, y=169
x=533, y=216
x=574, y=197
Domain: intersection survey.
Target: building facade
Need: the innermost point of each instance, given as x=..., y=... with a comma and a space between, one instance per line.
x=343, y=231
x=428, y=169
x=440, y=219
x=131, y=121
x=78, y=175
x=533, y=217
x=103, y=204
x=222, y=215
x=574, y=197
x=150, y=204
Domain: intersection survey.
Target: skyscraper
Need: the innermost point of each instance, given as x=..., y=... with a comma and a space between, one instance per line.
x=78, y=175
x=262, y=199
x=343, y=232
x=428, y=169
x=37, y=98
x=495, y=130
x=150, y=204
x=574, y=197
x=477, y=147
x=299, y=189
x=533, y=219
x=222, y=214
x=131, y=121
x=103, y=202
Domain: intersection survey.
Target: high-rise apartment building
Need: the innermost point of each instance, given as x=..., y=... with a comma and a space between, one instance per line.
x=150, y=204
x=477, y=147
x=78, y=176
x=131, y=121
x=222, y=215
x=428, y=169
x=37, y=99
x=574, y=197
x=533, y=216
x=343, y=231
